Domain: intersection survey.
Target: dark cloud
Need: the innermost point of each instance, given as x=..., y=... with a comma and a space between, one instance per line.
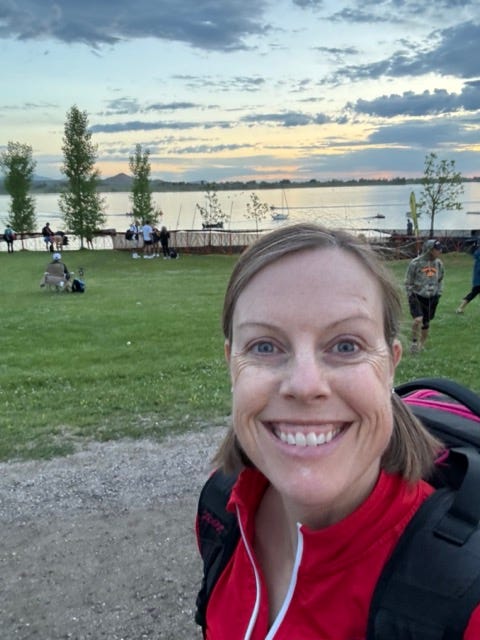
x=171, y=106
x=423, y=134
x=205, y=24
x=421, y=104
x=138, y=125
x=359, y=16
x=208, y=149
x=288, y=119
x=122, y=106
x=309, y=4
x=452, y=51
x=233, y=83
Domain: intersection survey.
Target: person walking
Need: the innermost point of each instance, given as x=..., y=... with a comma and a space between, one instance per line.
x=424, y=284
x=475, y=291
x=9, y=236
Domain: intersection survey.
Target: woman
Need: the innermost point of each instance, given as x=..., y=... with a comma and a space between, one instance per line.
x=331, y=461
x=475, y=290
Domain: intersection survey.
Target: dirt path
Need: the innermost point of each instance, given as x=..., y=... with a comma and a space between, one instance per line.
x=101, y=544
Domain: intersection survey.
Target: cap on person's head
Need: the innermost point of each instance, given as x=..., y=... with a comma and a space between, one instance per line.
x=432, y=244
x=56, y=257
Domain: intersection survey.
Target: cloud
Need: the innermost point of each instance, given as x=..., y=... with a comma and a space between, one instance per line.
x=421, y=134
x=451, y=51
x=288, y=119
x=232, y=83
x=209, y=149
x=421, y=104
x=139, y=125
x=205, y=24
x=171, y=106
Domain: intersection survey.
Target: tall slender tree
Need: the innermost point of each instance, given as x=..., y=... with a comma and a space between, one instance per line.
x=18, y=165
x=82, y=206
x=141, y=195
x=442, y=187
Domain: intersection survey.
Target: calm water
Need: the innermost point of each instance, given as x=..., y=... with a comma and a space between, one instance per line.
x=348, y=207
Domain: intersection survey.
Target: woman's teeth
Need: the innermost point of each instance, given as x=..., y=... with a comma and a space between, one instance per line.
x=310, y=439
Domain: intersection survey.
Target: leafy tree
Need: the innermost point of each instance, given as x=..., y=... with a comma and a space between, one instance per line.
x=256, y=210
x=81, y=205
x=442, y=186
x=212, y=213
x=17, y=165
x=141, y=196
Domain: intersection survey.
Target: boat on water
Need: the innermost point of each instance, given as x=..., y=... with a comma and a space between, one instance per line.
x=279, y=215
x=212, y=225
x=283, y=212
x=474, y=213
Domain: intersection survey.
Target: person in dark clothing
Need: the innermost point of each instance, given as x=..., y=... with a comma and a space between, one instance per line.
x=475, y=290
x=9, y=236
x=48, y=234
x=164, y=239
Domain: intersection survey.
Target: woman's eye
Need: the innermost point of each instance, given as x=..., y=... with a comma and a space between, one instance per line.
x=346, y=347
x=264, y=347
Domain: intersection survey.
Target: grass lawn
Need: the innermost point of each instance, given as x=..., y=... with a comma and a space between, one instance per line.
x=140, y=353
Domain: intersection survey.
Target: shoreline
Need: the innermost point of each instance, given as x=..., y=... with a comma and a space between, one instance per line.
x=204, y=241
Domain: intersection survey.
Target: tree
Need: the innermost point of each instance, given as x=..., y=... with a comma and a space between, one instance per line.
x=81, y=205
x=256, y=210
x=141, y=190
x=212, y=213
x=442, y=186
x=17, y=165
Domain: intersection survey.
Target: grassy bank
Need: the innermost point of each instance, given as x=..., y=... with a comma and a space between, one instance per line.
x=141, y=352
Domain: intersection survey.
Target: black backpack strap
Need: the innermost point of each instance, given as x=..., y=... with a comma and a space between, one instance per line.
x=431, y=584
x=218, y=534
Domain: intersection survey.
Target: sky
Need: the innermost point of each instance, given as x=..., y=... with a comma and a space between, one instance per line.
x=224, y=90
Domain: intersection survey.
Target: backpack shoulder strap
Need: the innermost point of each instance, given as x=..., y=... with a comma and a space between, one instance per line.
x=431, y=584
x=218, y=534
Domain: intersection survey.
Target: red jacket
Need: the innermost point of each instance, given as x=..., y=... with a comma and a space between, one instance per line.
x=335, y=572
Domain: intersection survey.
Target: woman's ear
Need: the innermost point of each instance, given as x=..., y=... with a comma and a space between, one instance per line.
x=397, y=351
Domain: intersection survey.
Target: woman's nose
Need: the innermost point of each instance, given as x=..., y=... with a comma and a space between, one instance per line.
x=306, y=377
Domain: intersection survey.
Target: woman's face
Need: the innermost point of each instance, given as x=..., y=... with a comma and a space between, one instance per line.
x=312, y=378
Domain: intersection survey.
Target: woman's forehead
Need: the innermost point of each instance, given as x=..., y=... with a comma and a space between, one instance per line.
x=318, y=276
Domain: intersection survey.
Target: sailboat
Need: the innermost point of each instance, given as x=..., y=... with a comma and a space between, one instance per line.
x=281, y=213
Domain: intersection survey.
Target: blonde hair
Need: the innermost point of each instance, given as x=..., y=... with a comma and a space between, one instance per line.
x=412, y=449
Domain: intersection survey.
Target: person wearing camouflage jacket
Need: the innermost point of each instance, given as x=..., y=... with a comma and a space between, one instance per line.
x=424, y=283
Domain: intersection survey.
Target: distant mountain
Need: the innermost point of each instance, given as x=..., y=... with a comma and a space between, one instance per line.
x=120, y=182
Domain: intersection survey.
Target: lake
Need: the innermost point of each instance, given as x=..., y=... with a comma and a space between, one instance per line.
x=348, y=207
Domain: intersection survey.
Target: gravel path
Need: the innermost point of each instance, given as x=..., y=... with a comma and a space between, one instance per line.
x=100, y=544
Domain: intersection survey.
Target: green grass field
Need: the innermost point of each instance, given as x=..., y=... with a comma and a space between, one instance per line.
x=140, y=353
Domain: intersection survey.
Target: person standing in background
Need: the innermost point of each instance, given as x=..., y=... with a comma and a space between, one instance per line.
x=48, y=234
x=164, y=240
x=9, y=236
x=475, y=281
x=147, y=231
x=424, y=283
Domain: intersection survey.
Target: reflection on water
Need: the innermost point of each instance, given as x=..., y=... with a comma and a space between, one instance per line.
x=368, y=207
